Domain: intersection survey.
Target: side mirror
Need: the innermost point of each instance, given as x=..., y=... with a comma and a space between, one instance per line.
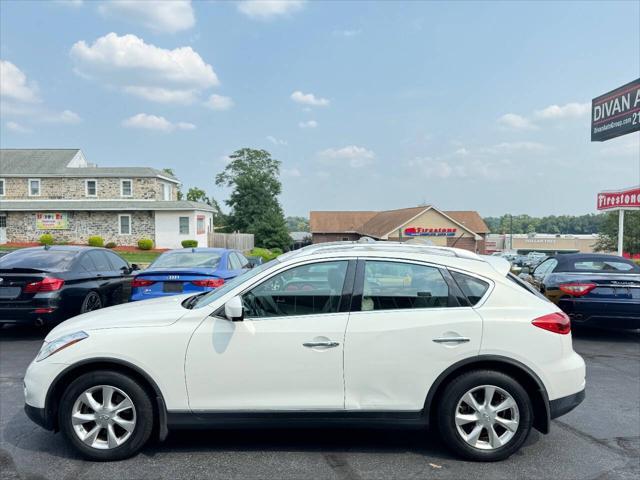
x=233, y=309
x=135, y=266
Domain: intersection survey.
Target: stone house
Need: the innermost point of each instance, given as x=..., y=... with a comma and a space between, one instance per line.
x=454, y=228
x=57, y=191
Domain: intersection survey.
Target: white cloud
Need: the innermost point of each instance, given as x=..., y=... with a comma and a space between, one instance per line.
x=570, y=110
x=269, y=9
x=309, y=99
x=628, y=145
x=66, y=116
x=510, y=147
x=347, y=33
x=14, y=85
x=356, y=156
x=163, y=95
x=219, y=102
x=308, y=124
x=277, y=141
x=16, y=127
x=161, y=16
x=142, y=69
x=515, y=122
x=154, y=122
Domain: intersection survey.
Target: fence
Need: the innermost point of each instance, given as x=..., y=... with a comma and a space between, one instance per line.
x=238, y=241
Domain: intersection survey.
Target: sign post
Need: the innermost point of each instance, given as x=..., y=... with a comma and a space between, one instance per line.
x=620, y=200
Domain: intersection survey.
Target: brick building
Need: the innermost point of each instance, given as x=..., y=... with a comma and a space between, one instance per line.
x=462, y=229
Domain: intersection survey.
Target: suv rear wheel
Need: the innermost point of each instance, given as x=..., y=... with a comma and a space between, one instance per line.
x=106, y=415
x=485, y=415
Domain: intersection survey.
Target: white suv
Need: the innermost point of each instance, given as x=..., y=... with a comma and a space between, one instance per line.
x=337, y=334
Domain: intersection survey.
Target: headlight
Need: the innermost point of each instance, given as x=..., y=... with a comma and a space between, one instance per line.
x=58, y=344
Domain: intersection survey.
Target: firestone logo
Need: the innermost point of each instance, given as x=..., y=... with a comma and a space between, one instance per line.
x=430, y=232
x=622, y=199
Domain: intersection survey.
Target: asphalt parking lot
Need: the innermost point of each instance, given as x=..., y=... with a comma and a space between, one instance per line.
x=599, y=440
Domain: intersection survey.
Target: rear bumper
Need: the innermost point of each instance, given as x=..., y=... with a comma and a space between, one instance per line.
x=29, y=315
x=562, y=406
x=614, y=314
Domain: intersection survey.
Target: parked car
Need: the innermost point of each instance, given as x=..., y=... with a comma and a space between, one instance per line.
x=188, y=270
x=46, y=285
x=255, y=261
x=593, y=289
x=354, y=334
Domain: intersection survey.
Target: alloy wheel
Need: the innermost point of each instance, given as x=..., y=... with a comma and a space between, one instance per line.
x=103, y=417
x=92, y=302
x=487, y=417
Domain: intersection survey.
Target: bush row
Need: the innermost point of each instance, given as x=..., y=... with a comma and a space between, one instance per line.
x=96, y=241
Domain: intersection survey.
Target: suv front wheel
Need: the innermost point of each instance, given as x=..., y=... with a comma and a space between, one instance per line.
x=106, y=415
x=485, y=415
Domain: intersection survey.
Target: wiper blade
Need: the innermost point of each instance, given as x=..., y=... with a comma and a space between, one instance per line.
x=191, y=301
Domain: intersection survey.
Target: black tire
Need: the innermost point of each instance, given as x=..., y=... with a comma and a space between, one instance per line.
x=448, y=404
x=91, y=302
x=143, y=412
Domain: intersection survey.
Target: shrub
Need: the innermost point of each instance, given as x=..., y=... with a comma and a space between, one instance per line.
x=111, y=245
x=264, y=253
x=145, y=244
x=46, y=239
x=189, y=243
x=95, y=241
x=276, y=251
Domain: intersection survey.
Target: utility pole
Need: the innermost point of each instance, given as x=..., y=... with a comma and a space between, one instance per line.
x=620, y=232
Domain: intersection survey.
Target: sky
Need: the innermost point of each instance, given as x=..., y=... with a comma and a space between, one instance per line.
x=368, y=105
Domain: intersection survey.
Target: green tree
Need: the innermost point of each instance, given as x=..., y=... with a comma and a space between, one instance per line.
x=196, y=194
x=608, y=235
x=169, y=171
x=297, y=224
x=254, y=178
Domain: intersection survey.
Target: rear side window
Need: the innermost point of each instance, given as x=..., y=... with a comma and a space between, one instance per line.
x=87, y=264
x=100, y=260
x=472, y=287
x=395, y=285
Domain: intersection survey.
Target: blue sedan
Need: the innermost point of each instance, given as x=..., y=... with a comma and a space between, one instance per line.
x=189, y=270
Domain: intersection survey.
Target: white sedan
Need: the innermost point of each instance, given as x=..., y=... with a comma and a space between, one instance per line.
x=335, y=334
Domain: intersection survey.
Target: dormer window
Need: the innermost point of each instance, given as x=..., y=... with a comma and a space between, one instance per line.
x=91, y=188
x=126, y=188
x=34, y=187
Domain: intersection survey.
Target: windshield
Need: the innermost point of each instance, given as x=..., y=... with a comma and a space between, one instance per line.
x=228, y=286
x=45, y=260
x=187, y=260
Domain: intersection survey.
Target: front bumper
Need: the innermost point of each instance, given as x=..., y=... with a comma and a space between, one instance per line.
x=38, y=416
x=563, y=405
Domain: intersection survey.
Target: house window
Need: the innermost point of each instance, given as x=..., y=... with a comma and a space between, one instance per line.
x=124, y=222
x=91, y=188
x=1, y=187
x=200, y=225
x=126, y=188
x=34, y=187
x=184, y=225
x=166, y=191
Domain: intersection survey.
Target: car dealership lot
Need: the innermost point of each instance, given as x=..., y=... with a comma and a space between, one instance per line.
x=600, y=439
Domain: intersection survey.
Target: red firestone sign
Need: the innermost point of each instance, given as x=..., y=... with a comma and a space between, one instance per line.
x=628, y=199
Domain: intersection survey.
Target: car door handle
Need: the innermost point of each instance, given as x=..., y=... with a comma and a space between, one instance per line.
x=320, y=344
x=451, y=340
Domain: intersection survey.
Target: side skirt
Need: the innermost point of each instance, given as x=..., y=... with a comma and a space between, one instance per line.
x=177, y=420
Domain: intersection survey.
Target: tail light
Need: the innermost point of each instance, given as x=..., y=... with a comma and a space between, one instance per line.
x=45, y=285
x=577, y=289
x=140, y=282
x=557, y=322
x=209, y=282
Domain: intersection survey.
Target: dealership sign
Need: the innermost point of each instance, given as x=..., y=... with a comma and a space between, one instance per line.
x=628, y=199
x=52, y=221
x=430, y=232
x=616, y=113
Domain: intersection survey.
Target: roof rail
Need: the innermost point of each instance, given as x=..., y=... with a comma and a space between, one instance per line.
x=384, y=245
